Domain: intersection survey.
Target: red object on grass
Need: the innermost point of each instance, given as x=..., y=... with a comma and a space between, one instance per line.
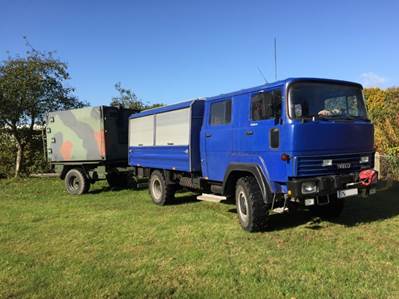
x=368, y=177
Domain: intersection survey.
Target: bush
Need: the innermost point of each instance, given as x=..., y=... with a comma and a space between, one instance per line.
x=7, y=155
x=383, y=109
x=34, y=159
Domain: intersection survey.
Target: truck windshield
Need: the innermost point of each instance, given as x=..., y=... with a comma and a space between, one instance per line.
x=326, y=101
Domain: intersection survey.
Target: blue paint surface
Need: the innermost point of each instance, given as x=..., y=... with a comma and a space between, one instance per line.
x=161, y=157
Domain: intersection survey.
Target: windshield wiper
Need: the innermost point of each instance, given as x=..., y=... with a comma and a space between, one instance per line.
x=353, y=117
x=321, y=117
x=340, y=117
x=332, y=118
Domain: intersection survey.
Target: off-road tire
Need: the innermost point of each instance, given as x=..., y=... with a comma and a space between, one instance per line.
x=331, y=210
x=251, y=209
x=76, y=182
x=161, y=192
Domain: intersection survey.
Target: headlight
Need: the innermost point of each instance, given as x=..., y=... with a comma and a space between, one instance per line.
x=309, y=187
x=364, y=159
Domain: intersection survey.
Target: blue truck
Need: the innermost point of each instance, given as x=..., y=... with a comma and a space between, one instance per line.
x=299, y=142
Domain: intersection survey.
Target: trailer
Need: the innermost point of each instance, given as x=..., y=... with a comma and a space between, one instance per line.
x=89, y=144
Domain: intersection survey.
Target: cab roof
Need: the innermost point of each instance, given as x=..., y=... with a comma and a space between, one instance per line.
x=285, y=82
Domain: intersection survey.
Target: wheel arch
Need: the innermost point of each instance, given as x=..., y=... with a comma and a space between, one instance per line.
x=236, y=171
x=167, y=174
x=80, y=167
x=65, y=169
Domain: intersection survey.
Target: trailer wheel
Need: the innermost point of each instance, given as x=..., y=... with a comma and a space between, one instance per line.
x=76, y=182
x=251, y=209
x=331, y=210
x=161, y=192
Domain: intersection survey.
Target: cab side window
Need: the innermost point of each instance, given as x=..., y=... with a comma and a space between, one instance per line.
x=220, y=113
x=266, y=105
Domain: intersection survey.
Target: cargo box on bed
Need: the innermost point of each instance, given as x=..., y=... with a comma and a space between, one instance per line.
x=167, y=137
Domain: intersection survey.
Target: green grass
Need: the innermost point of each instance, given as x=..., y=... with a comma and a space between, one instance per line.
x=118, y=244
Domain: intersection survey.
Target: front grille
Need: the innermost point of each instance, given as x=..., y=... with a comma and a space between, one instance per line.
x=313, y=165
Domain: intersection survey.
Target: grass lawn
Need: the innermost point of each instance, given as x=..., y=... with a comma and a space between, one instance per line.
x=118, y=244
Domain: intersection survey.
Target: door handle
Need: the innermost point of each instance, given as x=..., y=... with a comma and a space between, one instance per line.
x=249, y=132
x=207, y=135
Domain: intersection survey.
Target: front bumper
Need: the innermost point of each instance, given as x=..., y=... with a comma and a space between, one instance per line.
x=328, y=185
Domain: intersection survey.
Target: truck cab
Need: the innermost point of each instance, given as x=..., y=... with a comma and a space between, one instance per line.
x=300, y=142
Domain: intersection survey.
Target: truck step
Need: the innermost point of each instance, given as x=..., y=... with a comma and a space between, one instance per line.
x=278, y=211
x=211, y=197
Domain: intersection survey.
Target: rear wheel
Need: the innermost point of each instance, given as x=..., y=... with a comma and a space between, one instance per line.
x=251, y=209
x=161, y=192
x=76, y=182
x=331, y=210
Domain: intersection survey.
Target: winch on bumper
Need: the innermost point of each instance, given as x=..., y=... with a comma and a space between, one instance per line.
x=343, y=185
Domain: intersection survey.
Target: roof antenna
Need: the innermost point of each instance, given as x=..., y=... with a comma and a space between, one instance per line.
x=261, y=73
x=275, y=59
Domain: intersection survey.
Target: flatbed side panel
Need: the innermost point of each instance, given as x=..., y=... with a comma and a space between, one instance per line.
x=162, y=157
x=76, y=135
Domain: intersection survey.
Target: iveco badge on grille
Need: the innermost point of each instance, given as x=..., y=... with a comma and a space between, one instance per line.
x=343, y=165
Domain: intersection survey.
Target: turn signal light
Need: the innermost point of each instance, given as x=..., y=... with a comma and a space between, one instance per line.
x=285, y=157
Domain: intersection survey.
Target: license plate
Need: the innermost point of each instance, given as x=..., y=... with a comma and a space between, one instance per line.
x=309, y=201
x=347, y=193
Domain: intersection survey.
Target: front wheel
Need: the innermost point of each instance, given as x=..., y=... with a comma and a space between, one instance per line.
x=251, y=209
x=76, y=182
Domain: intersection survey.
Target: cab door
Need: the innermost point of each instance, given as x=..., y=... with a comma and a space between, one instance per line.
x=218, y=138
x=260, y=129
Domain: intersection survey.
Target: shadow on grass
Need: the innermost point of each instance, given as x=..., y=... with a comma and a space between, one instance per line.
x=182, y=196
x=107, y=188
x=185, y=199
x=100, y=190
x=383, y=205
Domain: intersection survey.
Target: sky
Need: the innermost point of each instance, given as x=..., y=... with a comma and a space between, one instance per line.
x=169, y=51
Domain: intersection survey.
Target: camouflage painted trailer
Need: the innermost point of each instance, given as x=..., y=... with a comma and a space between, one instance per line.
x=88, y=144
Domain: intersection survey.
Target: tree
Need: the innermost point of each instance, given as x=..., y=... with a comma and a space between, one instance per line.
x=30, y=87
x=128, y=99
